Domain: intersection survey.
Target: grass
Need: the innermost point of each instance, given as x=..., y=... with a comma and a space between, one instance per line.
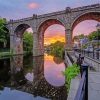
x=70, y=73
x=5, y=54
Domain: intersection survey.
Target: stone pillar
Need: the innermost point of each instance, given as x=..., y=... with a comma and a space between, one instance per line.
x=68, y=36
x=37, y=44
x=41, y=43
x=16, y=44
x=12, y=49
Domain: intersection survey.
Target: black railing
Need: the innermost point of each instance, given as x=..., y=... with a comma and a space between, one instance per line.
x=94, y=55
x=82, y=93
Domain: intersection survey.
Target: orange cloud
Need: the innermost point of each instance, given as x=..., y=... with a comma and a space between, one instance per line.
x=53, y=39
x=33, y=5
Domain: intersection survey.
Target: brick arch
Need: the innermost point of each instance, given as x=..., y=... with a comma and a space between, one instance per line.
x=41, y=30
x=45, y=24
x=86, y=16
x=20, y=29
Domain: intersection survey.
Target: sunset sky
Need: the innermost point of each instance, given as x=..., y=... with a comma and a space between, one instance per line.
x=17, y=9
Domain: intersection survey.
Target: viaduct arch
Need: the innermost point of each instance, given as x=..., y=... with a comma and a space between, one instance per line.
x=69, y=18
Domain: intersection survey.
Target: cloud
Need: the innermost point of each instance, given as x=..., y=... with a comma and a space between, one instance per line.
x=33, y=5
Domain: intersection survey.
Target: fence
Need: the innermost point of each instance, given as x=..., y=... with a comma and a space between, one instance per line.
x=93, y=55
x=82, y=93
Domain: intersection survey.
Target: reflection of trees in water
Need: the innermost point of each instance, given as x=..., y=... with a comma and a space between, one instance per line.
x=28, y=64
x=4, y=70
x=57, y=60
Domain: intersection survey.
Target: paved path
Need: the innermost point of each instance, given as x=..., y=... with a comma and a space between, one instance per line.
x=94, y=85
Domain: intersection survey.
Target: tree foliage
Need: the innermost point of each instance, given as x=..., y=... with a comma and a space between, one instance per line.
x=77, y=37
x=28, y=41
x=4, y=33
x=57, y=49
x=95, y=35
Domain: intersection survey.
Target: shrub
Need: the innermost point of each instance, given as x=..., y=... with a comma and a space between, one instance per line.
x=70, y=73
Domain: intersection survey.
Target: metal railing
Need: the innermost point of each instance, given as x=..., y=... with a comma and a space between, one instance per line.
x=82, y=93
x=94, y=55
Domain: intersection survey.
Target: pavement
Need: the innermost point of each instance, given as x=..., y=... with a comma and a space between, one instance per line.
x=94, y=85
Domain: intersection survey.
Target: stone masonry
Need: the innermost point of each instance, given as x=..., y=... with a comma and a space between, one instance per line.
x=68, y=18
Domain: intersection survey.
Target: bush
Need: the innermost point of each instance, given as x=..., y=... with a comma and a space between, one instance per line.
x=70, y=73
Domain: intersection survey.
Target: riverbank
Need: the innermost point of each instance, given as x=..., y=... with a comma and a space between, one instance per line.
x=9, y=54
x=5, y=54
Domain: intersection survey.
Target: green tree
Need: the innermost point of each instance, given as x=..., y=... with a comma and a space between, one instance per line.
x=3, y=32
x=28, y=41
x=77, y=37
x=57, y=49
x=94, y=36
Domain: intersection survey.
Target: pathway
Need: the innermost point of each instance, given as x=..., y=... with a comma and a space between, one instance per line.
x=94, y=85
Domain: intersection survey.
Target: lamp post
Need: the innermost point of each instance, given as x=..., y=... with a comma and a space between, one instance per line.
x=98, y=32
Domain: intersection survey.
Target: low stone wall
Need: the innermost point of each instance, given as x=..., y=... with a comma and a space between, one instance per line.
x=67, y=60
x=73, y=88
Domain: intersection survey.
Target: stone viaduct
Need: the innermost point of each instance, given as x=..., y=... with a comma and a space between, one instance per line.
x=68, y=18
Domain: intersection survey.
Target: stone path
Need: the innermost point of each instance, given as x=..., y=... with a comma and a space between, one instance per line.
x=94, y=86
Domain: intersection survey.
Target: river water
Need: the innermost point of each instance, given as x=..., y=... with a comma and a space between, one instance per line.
x=32, y=78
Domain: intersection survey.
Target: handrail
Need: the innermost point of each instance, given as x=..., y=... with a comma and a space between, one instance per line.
x=82, y=93
x=81, y=88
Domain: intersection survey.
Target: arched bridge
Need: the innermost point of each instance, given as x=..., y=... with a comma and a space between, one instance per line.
x=68, y=18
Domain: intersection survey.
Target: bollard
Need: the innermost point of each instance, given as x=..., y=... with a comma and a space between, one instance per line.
x=85, y=68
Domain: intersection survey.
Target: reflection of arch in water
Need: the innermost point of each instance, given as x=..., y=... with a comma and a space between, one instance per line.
x=39, y=87
x=44, y=89
x=53, y=72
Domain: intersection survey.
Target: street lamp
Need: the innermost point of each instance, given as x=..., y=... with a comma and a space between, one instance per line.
x=98, y=32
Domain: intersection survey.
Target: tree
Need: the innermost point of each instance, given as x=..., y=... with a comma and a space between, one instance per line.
x=57, y=49
x=28, y=41
x=4, y=36
x=77, y=37
x=94, y=36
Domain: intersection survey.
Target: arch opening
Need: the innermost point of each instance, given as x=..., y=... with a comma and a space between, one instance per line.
x=23, y=35
x=44, y=28
x=87, y=16
x=52, y=35
x=83, y=25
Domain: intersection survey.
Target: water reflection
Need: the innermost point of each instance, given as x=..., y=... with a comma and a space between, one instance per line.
x=41, y=77
x=53, y=71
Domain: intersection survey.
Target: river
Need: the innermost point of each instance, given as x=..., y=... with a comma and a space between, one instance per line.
x=32, y=78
